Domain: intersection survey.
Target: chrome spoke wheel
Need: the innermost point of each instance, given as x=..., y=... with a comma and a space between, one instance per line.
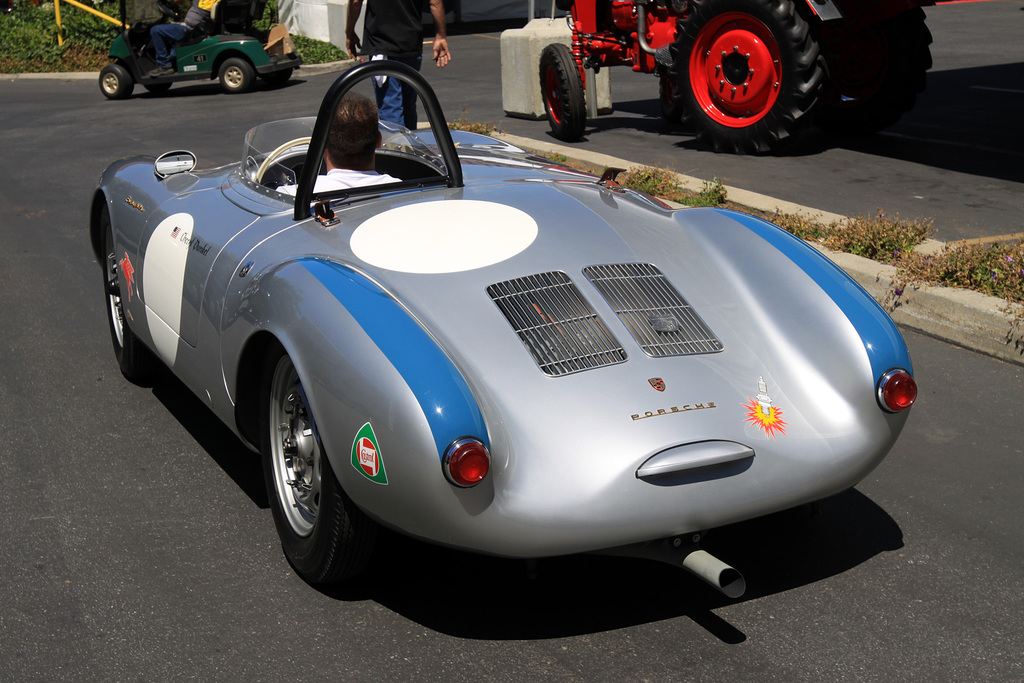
x=295, y=450
x=114, y=309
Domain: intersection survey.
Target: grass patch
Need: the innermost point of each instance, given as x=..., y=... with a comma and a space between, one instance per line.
x=883, y=238
x=993, y=269
x=464, y=124
x=664, y=184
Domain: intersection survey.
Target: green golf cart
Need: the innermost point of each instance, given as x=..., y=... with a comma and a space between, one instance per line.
x=235, y=52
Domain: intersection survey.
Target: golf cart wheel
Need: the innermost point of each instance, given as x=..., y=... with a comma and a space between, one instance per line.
x=278, y=78
x=115, y=82
x=237, y=75
x=562, y=93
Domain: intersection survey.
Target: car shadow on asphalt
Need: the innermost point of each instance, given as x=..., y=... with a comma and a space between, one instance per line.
x=220, y=443
x=211, y=88
x=480, y=597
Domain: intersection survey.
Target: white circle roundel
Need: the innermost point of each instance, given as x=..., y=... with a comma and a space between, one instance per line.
x=446, y=236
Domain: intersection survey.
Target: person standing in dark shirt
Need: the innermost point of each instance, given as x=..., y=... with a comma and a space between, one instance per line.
x=393, y=29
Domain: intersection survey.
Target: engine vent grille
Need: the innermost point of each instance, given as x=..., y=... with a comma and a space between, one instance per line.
x=556, y=324
x=658, y=317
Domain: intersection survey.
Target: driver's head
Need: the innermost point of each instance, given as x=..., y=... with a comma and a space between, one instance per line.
x=354, y=136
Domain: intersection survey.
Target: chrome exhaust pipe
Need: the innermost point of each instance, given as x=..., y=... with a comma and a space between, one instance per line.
x=690, y=557
x=714, y=572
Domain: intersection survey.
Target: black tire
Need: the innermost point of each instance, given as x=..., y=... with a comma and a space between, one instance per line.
x=671, y=110
x=237, y=75
x=137, y=363
x=875, y=74
x=756, y=98
x=562, y=93
x=157, y=88
x=116, y=83
x=276, y=79
x=323, y=534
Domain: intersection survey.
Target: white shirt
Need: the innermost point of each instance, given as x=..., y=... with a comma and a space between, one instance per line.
x=343, y=179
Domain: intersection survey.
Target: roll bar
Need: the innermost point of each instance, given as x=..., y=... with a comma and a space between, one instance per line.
x=329, y=105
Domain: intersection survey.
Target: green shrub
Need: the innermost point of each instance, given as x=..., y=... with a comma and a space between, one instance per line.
x=317, y=51
x=28, y=38
x=882, y=238
x=29, y=33
x=87, y=29
x=660, y=182
x=462, y=123
x=995, y=269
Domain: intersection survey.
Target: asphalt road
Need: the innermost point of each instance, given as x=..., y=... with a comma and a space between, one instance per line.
x=136, y=542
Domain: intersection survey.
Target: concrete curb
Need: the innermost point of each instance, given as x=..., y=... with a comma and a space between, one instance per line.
x=975, y=321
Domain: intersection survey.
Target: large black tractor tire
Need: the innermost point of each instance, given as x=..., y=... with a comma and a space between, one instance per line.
x=671, y=110
x=562, y=93
x=323, y=534
x=748, y=73
x=874, y=74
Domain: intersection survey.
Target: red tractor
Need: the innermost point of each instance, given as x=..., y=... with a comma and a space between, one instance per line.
x=748, y=75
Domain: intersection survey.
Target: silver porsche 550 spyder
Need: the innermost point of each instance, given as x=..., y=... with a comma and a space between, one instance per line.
x=495, y=353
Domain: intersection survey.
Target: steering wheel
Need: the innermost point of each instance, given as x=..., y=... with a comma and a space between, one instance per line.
x=167, y=9
x=277, y=154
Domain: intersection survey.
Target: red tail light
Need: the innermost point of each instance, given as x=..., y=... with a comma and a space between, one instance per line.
x=466, y=462
x=897, y=390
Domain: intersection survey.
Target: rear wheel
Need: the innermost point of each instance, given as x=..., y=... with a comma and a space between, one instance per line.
x=136, y=361
x=670, y=108
x=748, y=73
x=277, y=78
x=562, y=93
x=323, y=534
x=237, y=75
x=116, y=83
x=874, y=74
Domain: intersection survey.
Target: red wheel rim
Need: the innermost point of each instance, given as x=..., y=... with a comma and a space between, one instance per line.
x=552, y=94
x=735, y=70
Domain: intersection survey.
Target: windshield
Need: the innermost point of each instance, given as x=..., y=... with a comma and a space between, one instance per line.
x=275, y=152
x=148, y=11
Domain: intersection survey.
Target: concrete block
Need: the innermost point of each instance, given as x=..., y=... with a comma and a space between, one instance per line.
x=520, y=70
x=319, y=19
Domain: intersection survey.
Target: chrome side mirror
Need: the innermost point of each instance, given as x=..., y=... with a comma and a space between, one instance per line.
x=173, y=163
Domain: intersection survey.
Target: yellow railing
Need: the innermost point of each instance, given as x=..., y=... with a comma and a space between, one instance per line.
x=101, y=15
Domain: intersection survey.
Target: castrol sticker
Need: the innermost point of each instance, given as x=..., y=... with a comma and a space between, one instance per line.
x=366, y=457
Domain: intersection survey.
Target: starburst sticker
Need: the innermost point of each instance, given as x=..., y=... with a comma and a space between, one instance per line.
x=128, y=272
x=761, y=413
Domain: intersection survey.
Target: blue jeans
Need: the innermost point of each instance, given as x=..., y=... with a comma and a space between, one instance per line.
x=165, y=37
x=397, y=100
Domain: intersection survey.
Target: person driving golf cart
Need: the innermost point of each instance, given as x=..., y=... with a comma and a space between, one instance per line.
x=198, y=21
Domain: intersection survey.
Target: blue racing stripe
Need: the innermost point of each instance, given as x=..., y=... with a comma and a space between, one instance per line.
x=882, y=341
x=442, y=392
